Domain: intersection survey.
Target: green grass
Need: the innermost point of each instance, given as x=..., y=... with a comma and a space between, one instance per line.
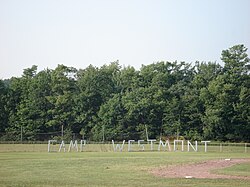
x=40, y=168
x=238, y=170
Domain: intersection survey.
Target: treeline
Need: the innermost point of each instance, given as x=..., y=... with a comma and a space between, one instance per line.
x=199, y=101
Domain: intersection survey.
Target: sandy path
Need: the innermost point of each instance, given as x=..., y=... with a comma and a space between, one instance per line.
x=200, y=170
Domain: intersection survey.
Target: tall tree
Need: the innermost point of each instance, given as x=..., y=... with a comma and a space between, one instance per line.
x=224, y=95
x=63, y=89
x=3, y=103
x=96, y=86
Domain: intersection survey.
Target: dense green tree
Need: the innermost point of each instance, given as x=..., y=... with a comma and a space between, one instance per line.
x=224, y=95
x=126, y=79
x=204, y=73
x=27, y=105
x=112, y=120
x=95, y=87
x=200, y=101
x=63, y=89
x=40, y=89
x=236, y=60
x=242, y=117
x=3, y=103
x=19, y=105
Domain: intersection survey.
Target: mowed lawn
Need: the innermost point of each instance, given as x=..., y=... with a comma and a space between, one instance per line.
x=108, y=168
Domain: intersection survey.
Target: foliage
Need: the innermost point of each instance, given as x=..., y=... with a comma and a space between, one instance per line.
x=200, y=101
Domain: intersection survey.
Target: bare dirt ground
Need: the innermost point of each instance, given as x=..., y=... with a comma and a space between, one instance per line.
x=200, y=170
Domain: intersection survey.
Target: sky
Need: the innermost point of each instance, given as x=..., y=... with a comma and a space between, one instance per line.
x=78, y=33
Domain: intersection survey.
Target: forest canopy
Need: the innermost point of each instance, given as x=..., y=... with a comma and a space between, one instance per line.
x=201, y=100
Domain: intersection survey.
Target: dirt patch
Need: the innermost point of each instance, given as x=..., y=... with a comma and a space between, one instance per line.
x=200, y=170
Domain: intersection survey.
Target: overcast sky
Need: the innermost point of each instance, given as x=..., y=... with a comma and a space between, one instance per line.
x=135, y=32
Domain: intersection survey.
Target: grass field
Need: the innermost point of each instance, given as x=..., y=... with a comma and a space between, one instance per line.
x=31, y=165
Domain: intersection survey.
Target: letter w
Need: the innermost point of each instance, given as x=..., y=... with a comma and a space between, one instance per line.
x=118, y=146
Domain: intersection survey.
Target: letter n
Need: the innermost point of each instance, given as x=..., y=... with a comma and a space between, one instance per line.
x=194, y=148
